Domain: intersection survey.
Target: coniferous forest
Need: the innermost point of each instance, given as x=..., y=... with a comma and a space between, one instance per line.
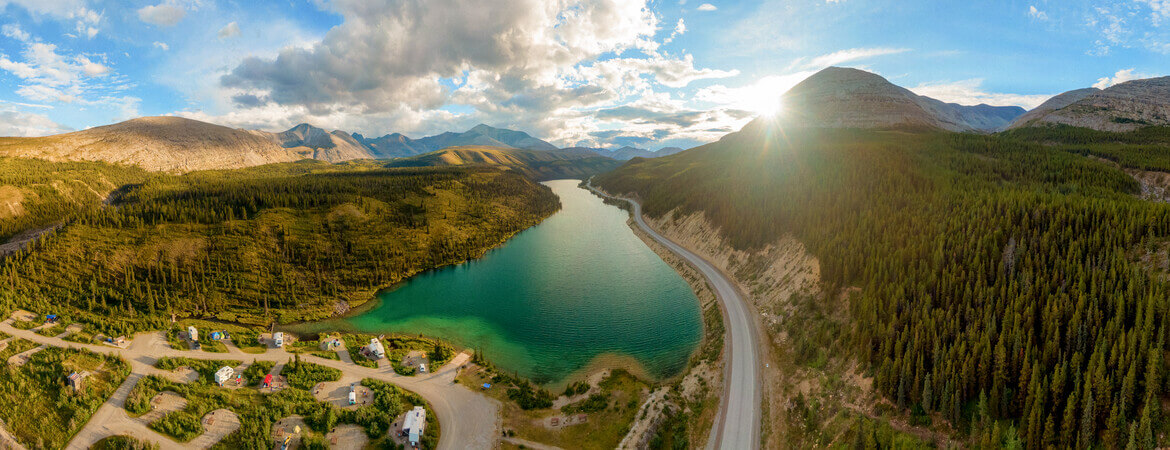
x=1012, y=283
x=282, y=242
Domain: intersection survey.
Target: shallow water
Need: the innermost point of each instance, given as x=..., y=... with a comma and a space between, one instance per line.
x=579, y=289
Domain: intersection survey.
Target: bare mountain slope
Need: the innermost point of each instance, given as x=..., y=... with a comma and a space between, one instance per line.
x=849, y=98
x=1053, y=104
x=334, y=146
x=157, y=143
x=1121, y=107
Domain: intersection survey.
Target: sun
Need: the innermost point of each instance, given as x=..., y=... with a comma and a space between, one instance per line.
x=765, y=97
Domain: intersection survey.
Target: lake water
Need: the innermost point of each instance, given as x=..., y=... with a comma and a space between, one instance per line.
x=578, y=291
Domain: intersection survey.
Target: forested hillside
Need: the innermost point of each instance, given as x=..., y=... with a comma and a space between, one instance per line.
x=1008, y=286
x=285, y=241
x=35, y=194
x=536, y=164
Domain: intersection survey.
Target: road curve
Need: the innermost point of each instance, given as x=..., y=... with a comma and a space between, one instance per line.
x=737, y=426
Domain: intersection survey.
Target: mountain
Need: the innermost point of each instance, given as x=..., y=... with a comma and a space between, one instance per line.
x=172, y=144
x=627, y=152
x=540, y=165
x=331, y=146
x=1053, y=104
x=849, y=98
x=1122, y=107
x=397, y=146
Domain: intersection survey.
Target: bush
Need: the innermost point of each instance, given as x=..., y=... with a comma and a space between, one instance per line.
x=305, y=375
x=181, y=425
x=595, y=403
x=530, y=397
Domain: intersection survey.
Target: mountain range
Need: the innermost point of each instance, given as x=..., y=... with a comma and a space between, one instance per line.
x=832, y=98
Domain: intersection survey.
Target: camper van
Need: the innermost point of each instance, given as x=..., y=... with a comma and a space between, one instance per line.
x=353, y=394
x=278, y=339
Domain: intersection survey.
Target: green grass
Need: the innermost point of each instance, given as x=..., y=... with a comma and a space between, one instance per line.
x=37, y=405
x=15, y=347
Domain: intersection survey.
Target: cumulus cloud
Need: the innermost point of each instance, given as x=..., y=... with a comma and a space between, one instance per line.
x=162, y=46
x=971, y=92
x=229, y=31
x=1120, y=76
x=707, y=7
x=162, y=14
x=14, y=122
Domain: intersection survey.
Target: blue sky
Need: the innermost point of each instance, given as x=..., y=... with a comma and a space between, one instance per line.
x=589, y=72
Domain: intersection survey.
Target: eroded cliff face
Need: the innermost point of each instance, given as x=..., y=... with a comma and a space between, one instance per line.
x=810, y=368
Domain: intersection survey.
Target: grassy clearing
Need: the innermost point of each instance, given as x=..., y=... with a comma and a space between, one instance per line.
x=305, y=375
x=38, y=405
x=609, y=414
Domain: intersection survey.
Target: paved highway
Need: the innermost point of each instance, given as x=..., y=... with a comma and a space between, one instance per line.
x=738, y=424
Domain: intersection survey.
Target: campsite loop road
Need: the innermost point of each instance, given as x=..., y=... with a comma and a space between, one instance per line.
x=738, y=424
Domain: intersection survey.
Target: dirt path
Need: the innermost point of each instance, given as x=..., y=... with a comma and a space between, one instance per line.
x=469, y=419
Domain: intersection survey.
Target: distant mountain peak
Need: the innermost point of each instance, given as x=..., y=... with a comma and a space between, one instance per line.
x=839, y=97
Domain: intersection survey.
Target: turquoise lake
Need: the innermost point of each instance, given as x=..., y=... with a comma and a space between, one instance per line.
x=579, y=291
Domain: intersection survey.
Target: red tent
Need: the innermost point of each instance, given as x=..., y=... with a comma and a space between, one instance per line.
x=268, y=380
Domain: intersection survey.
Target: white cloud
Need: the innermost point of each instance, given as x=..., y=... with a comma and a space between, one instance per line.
x=1120, y=76
x=1159, y=9
x=162, y=46
x=845, y=56
x=707, y=7
x=13, y=30
x=87, y=20
x=48, y=76
x=971, y=92
x=229, y=31
x=14, y=122
x=1037, y=14
x=162, y=14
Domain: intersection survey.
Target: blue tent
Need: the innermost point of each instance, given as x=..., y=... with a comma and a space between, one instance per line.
x=487, y=385
x=51, y=317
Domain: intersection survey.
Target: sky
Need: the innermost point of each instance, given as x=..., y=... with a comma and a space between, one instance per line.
x=599, y=73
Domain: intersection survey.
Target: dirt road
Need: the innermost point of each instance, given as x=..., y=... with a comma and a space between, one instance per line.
x=738, y=423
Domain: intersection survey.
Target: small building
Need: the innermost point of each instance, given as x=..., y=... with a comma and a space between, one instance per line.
x=415, y=423
x=192, y=334
x=278, y=339
x=374, y=349
x=76, y=379
x=224, y=374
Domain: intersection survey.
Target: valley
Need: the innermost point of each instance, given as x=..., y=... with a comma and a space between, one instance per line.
x=679, y=231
